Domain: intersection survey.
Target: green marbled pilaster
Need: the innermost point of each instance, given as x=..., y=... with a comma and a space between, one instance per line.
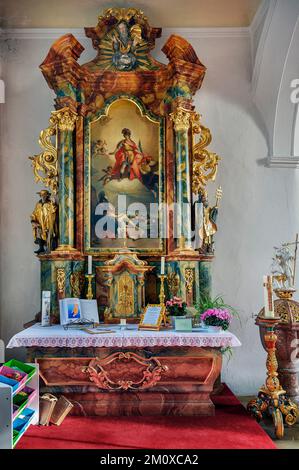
x=66, y=188
x=205, y=278
x=182, y=181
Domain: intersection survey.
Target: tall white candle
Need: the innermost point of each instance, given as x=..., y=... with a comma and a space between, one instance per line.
x=89, y=270
x=268, y=297
x=162, y=265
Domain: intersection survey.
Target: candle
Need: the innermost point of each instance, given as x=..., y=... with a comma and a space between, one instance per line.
x=89, y=271
x=268, y=297
x=162, y=265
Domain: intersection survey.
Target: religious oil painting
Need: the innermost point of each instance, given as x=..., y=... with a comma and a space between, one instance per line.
x=125, y=178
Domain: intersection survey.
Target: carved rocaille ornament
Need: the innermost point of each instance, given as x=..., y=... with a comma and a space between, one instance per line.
x=205, y=163
x=44, y=164
x=149, y=371
x=126, y=14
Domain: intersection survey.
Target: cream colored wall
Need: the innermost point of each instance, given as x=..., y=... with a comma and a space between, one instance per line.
x=258, y=208
x=169, y=13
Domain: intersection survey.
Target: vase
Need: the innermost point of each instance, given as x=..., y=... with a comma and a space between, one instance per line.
x=172, y=319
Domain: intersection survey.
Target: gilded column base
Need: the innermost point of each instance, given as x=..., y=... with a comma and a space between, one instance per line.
x=276, y=405
x=184, y=250
x=65, y=249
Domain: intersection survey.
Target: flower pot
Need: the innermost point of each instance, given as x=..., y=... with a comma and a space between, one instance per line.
x=172, y=319
x=213, y=329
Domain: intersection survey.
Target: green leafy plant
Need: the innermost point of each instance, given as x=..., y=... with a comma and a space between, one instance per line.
x=215, y=312
x=206, y=302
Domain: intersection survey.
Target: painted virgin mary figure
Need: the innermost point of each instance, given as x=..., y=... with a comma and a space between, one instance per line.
x=123, y=47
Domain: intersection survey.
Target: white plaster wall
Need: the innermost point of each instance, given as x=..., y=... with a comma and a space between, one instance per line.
x=258, y=208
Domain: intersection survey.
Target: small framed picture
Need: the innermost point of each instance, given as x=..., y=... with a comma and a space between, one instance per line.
x=46, y=307
x=152, y=317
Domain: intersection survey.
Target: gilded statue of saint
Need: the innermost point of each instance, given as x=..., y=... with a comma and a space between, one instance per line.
x=209, y=227
x=44, y=223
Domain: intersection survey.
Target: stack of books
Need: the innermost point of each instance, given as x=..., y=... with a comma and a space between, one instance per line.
x=53, y=410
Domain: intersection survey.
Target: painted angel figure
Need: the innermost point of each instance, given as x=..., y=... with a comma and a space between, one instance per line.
x=100, y=148
x=282, y=267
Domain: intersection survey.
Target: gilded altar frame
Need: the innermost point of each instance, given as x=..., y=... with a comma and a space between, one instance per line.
x=89, y=122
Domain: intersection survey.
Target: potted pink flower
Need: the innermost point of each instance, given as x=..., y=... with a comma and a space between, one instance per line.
x=214, y=313
x=176, y=308
x=218, y=318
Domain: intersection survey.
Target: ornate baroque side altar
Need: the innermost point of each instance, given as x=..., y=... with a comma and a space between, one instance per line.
x=124, y=169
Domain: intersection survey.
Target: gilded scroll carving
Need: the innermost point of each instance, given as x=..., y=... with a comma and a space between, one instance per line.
x=173, y=282
x=45, y=163
x=205, y=163
x=77, y=283
x=60, y=280
x=189, y=279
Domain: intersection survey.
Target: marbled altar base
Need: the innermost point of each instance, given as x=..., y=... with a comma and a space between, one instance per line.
x=182, y=387
x=128, y=372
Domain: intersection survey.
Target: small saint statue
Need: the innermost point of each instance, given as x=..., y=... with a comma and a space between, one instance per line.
x=44, y=223
x=208, y=227
x=283, y=266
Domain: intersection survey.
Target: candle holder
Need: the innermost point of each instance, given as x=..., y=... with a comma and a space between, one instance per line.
x=272, y=400
x=162, y=298
x=89, y=278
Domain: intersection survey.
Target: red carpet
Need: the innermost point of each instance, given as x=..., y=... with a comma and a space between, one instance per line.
x=231, y=428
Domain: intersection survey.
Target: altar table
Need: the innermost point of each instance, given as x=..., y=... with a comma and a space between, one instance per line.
x=128, y=372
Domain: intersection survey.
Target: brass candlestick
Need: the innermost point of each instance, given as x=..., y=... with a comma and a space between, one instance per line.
x=162, y=293
x=89, y=278
x=272, y=399
x=162, y=298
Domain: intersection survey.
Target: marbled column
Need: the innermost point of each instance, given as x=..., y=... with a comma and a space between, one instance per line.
x=65, y=126
x=181, y=120
x=205, y=278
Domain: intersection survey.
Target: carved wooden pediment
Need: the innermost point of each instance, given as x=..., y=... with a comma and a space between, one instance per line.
x=123, y=39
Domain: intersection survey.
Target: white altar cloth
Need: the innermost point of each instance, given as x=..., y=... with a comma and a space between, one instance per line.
x=57, y=337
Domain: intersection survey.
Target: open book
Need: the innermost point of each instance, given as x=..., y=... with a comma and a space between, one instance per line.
x=73, y=309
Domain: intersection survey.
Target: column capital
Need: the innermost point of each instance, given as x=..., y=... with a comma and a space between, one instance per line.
x=65, y=119
x=181, y=119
